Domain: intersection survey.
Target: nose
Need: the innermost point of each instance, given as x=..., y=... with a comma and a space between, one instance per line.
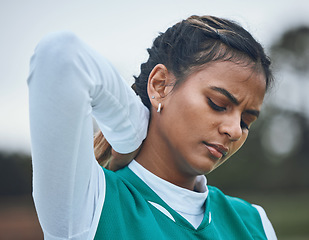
x=232, y=128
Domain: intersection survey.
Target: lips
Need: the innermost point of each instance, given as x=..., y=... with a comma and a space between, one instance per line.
x=217, y=150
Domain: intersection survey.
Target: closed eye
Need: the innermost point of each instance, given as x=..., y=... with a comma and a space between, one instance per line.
x=218, y=108
x=215, y=106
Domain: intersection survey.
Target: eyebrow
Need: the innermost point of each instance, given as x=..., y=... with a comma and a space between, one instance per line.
x=234, y=100
x=227, y=94
x=253, y=112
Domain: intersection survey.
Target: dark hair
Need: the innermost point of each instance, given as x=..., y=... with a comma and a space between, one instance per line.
x=191, y=44
x=196, y=41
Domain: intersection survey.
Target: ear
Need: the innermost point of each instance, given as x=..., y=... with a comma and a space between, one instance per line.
x=160, y=83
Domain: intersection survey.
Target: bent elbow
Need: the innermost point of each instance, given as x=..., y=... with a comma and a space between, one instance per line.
x=54, y=56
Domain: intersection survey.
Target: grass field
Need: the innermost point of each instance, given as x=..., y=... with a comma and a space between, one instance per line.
x=289, y=214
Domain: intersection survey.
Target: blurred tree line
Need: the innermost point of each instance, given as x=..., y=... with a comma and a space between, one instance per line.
x=15, y=174
x=276, y=155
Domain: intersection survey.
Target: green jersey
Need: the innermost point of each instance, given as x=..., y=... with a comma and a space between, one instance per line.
x=132, y=210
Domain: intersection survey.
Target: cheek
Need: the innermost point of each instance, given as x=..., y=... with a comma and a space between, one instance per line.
x=182, y=118
x=188, y=107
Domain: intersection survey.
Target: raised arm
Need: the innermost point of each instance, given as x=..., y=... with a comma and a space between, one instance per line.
x=68, y=83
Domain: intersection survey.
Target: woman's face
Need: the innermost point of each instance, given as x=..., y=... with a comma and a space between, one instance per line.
x=205, y=120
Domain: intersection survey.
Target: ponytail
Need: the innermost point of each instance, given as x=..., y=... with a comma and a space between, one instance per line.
x=102, y=149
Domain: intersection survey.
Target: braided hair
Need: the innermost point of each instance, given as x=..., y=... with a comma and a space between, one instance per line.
x=196, y=41
x=188, y=46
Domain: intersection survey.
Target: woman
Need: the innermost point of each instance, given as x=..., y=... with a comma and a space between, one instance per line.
x=204, y=84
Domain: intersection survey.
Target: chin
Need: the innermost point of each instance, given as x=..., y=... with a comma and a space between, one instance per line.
x=218, y=164
x=205, y=168
x=209, y=165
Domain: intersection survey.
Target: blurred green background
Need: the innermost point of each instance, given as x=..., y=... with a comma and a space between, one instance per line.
x=271, y=170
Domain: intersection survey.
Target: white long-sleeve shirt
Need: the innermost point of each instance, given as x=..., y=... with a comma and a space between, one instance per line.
x=68, y=84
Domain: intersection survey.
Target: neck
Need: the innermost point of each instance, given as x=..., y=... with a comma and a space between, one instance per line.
x=157, y=158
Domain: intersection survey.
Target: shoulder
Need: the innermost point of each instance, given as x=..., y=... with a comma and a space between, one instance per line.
x=253, y=216
x=117, y=184
x=113, y=179
x=243, y=209
x=122, y=197
x=238, y=204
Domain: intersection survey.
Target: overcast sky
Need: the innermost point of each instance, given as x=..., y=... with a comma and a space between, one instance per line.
x=120, y=30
